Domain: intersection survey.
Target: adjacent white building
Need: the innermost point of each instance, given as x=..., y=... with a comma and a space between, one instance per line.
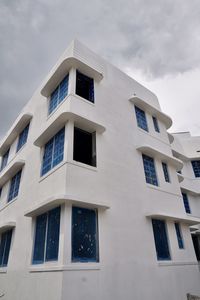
x=92, y=206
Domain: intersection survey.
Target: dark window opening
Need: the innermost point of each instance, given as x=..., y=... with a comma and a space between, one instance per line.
x=161, y=239
x=196, y=243
x=85, y=147
x=85, y=86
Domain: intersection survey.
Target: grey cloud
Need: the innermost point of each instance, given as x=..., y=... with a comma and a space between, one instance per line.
x=157, y=37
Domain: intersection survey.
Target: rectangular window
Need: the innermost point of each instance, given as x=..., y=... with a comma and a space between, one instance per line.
x=4, y=160
x=85, y=86
x=84, y=147
x=85, y=245
x=59, y=94
x=179, y=235
x=23, y=137
x=5, y=247
x=186, y=203
x=155, y=123
x=141, y=118
x=47, y=233
x=53, y=152
x=161, y=240
x=165, y=172
x=196, y=167
x=149, y=170
x=14, y=186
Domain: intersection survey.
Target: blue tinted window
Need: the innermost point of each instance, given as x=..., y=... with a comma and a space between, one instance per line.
x=186, y=203
x=84, y=235
x=141, y=118
x=179, y=235
x=47, y=237
x=53, y=152
x=165, y=171
x=161, y=240
x=155, y=123
x=85, y=86
x=5, y=247
x=14, y=186
x=5, y=159
x=149, y=170
x=58, y=94
x=23, y=137
x=196, y=167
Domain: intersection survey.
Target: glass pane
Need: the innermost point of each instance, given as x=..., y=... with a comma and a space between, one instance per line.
x=7, y=247
x=161, y=241
x=40, y=236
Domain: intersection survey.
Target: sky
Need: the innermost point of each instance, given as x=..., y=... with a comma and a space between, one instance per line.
x=157, y=42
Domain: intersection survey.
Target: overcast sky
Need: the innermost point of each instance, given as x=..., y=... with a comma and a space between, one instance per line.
x=157, y=42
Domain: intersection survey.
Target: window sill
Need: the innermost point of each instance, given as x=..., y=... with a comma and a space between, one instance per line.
x=8, y=203
x=52, y=170
x=177, y=263
x=83, y=99
x=82, y=165
x=3, y=270
x=158, y=188
x=70, y=267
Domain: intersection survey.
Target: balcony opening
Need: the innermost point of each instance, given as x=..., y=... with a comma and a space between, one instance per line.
x=84, y=147
x=85, y=86
x=196, y=243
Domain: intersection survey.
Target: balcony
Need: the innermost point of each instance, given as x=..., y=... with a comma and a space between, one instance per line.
x=152, y=110
x=15, y=130
x=53, y=202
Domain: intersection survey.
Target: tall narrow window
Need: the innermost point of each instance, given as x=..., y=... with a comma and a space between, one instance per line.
x=59, y=94
x=4, y=160
x=85, y=246
x=165, y=172
x=196, y=167
x=85, y=86
x=14, y=186
x=47, y=237
x=161, y=240
x=141, y=118
x=85, y=147
x=23, y=137
x=186, y=203
x=179, y=235
x=155, y=123
x=5, y=247
x=53, y=152
x=149, y=170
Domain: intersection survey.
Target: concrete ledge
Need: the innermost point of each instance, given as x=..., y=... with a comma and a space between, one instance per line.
x=15, y=130
x=190, y=220
x=148, y=150
x=6, y=226
x=152, y=110
x=10, y=171
x=53, y=202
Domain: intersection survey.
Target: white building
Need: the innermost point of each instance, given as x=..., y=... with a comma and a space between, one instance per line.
x=91, y=203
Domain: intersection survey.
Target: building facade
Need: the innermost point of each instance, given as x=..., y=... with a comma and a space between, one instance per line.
x=91, y=202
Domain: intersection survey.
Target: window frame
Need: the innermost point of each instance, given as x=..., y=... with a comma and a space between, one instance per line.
x=12, y=187
x=141, y=118
x=4, y=160
x=179, y=235
x=149, y=179
x=9, y=242
x=196, y=169
x=92, y=83
x=155, y=124
x=23, y=137
x=186, y=203
x=166, y=172
x=165, y=240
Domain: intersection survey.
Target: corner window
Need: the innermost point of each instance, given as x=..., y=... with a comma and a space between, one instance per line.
x=5, y=247
x=85, y=86
x=149, y=170
x=85, y=246
x=4, y=160
x=196, y=167
x=186, y=203
x=53, y=152
x=14, y=186
x=47, y=232
x=179, y=235
x=155, y=124
x=23, y=137
x=84, y=147
x=141, y=118
x=161, y=240
x=165, y=172
x=59, y=94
